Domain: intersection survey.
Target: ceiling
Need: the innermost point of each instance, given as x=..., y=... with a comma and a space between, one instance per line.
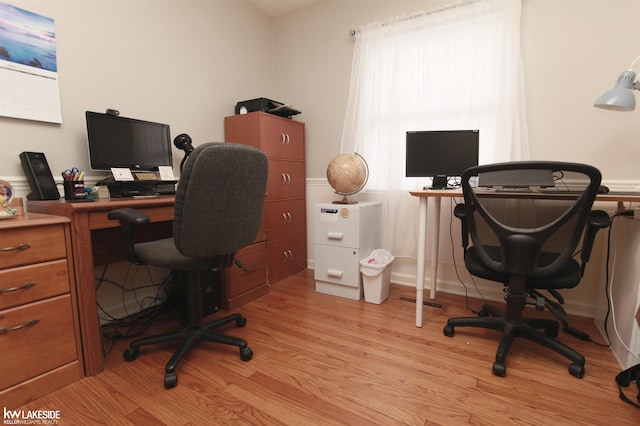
x=280, y=7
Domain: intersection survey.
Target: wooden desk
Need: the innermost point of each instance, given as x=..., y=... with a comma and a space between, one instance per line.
x=88, y=230
x=436, y=196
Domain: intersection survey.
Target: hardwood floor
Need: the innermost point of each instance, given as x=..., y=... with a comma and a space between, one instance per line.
x=324, y=360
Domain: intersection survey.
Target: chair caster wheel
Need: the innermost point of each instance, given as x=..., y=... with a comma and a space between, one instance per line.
x=246, y=354
x=576, y=370
x=241, y=322
x=448, y=330
x=170, y=380
x=499, y=369
x=131, y=354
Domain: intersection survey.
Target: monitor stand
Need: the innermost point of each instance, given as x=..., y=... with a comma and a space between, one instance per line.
x=440, y=182
x=120, y=189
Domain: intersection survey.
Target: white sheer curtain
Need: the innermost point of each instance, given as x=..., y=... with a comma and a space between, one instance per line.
x=455, y=68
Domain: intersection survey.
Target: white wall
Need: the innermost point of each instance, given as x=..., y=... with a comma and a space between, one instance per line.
x=185, y=63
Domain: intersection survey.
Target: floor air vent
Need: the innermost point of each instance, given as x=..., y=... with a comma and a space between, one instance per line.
x=424, y=302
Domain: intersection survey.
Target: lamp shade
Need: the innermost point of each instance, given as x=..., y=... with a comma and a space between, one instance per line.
x=621, y=97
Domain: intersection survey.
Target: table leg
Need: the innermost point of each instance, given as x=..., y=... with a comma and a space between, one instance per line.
x=86, y=290
x=422, y=242
x=435, y=247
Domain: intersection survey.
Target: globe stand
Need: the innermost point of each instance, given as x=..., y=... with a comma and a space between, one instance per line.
x=345, y=200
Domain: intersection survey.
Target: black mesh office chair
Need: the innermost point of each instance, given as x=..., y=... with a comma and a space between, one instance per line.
x=218, y=210
x=528, y=244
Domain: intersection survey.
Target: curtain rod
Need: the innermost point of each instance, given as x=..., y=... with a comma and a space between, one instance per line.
x=352, y=33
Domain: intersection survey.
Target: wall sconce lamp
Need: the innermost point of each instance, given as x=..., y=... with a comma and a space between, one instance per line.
x=621, y=97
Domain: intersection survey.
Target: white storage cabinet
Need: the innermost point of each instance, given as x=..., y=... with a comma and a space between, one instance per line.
x=344, y=235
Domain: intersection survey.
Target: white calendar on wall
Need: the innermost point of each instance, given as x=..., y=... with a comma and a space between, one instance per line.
x=28, y=66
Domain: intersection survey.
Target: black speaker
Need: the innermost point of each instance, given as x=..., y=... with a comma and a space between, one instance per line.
x=35, y=166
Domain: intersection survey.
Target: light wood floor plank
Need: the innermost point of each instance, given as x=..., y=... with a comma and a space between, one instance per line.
x=325, y=360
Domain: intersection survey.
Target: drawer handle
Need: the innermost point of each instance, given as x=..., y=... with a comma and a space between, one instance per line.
x=29, y=323
x=284, y=138
x=334, y=273
x=240, y=265
x=20, y=246
x=28, y=284
x=288, y=256
x=335, y=235
x=286, y=218
x=286, y=178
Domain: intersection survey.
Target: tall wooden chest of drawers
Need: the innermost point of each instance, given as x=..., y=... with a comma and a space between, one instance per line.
x=283, y=140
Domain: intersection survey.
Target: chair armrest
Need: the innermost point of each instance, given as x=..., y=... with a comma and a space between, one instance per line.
x=129, y=218
x=596, y=221
x=460, y=212
x=132, y=216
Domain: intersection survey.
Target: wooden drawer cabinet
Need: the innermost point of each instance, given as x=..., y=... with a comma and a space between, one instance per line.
x=286, y=257
x=35, y=349
x=282, y=140
x=242, y=285
x=27, y=284
x=39, y=332
x=278, y=137
x=22, y=247
x=285, y=218
x=285, y=180
x=281, y=137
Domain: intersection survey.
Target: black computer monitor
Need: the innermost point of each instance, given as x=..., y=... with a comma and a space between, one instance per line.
x=441, y=154
x=122, y=142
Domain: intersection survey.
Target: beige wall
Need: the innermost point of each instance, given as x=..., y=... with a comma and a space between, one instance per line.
x=187, y=62
x=182, y=62
x=572, y=50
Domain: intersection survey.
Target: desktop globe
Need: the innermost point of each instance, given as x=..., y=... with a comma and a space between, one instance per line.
x=347, y=174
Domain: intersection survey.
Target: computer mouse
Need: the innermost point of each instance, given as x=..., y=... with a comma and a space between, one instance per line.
x=603, y=189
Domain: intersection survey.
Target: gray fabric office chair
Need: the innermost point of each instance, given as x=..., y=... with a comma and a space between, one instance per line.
x=218, y=210
x=528, y=244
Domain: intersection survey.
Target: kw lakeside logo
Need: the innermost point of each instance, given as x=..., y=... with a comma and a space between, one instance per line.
x=31, y=417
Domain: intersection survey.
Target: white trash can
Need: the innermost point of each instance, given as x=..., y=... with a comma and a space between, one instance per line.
x=376, y=275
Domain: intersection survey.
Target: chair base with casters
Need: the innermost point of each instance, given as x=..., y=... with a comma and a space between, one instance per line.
x=194, y=331
x=511, y=322
x=493, y=318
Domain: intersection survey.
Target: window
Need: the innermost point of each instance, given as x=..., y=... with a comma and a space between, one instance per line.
x=456, y=68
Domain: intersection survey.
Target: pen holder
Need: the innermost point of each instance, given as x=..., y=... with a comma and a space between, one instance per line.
x=74, y=190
